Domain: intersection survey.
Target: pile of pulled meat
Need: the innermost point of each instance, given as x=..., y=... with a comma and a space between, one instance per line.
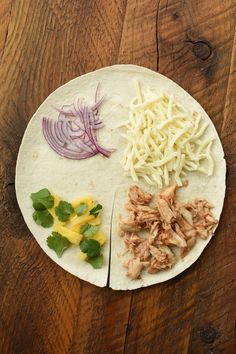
x=168, y=223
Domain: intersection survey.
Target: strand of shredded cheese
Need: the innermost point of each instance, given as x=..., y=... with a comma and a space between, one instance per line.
x=164, y=140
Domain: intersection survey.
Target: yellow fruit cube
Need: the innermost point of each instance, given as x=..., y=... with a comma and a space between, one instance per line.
x=76, y=228
x=56, y=200
x=100, y=237
x=52, y=210
x=79, y=220
x=82, y=256
x=72, y=236
x=96, y=221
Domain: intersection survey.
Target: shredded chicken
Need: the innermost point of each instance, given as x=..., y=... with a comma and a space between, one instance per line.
x=168, y=224
x=135, y=266
x=132, y=240
x=162, y=258
x=143, y=251
x=130, y=226
x=167, y=214
x=168, y=194
x=137, y=196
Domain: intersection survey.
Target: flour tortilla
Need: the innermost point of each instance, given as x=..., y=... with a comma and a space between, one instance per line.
x=38, y=166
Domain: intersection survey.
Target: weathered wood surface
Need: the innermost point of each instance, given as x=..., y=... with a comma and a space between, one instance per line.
x=45, y=43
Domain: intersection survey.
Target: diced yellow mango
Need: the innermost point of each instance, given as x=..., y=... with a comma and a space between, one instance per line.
x=72, y=236
x=56, y=200
x=86, y=200
x=100, y=237
x=76, y=228
x=96, y=221
x=79, y=220
x=52, y=210
x=82, y=256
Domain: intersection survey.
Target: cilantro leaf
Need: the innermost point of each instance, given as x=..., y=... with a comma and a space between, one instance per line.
x=42, y=199
x=96, y=210
x=83, y=228
x=63, y=210
x=88, y=230
x=43, y=218
x=96, y=262
x=81, y=209
x=93, y=229
x=58, y=243
x=91, y=247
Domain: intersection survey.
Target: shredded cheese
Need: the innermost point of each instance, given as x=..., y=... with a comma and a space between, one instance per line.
x=165, y=140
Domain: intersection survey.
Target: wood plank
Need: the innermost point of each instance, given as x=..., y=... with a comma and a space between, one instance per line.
x=101, y=321
x=214, y=318
x=139, y=38
x=5, y=14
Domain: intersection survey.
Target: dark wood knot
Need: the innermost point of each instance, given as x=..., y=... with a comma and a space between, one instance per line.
x=175, y=15
x=202, y=50
x=208, y=335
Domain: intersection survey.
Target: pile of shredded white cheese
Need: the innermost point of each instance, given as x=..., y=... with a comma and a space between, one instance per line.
x=164, y=139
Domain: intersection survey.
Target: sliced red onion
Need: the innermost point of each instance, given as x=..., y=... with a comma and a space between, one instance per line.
x=98, y=104
x=66, y=111
x=68, y=151
x=83, y=146
x=101, y=149
x=64, y=132
x=73, y=135
x=56, y=132
x=74, y=127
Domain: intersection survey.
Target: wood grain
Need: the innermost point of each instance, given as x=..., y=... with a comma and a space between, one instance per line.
x=5, y=11
x=43, y=44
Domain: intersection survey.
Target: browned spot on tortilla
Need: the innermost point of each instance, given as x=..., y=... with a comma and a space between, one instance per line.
x=35, y=155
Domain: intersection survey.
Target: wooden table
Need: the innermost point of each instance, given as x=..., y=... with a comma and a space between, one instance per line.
x=45, y=43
